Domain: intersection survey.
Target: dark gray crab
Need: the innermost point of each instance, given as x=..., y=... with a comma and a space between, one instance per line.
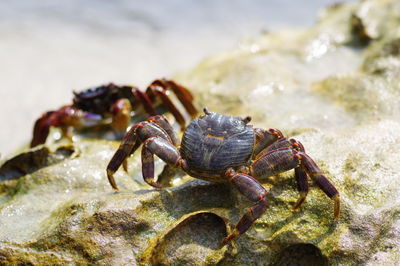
x=223, y=148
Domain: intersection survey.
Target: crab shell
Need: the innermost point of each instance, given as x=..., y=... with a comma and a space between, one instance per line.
x=214, y=143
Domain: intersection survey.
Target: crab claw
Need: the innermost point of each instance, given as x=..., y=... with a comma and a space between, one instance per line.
x=41, y=129
x=90, y=119
x=121, y=117
x=66, y=116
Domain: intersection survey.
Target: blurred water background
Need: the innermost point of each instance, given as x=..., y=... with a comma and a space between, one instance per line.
x=49, y=48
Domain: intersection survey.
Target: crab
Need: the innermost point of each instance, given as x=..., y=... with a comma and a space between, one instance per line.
x=92, y=106
x=222, y=148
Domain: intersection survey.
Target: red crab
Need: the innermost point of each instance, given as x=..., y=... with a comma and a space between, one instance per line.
x=90, y=107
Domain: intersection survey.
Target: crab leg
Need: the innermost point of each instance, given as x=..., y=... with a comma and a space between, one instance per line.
x=164, y=124
x=154, y=126
x=274, y=162
x=164, y=150
x=157, y=91
x=168, y=171
x=128, y=146
x=135, y=147
x=321, y=180
x=182, y=93
x=280, y=143
x=144, y=99
x=299, y=173
x=254, y=191
x=302, y=186
x=286, y=158
x=264, y=138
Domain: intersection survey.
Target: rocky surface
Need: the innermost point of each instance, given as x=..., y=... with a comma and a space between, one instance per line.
x=334, y=87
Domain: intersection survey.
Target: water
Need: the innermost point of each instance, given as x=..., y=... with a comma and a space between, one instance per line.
x=49, y=48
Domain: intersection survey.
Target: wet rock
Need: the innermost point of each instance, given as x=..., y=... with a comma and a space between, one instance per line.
x=334, y=87
x=188, y=241
x=32, y=160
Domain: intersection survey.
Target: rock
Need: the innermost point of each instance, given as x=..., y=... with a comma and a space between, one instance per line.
x=334, y=87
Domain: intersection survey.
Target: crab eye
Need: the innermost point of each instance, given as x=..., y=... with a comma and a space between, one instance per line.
x=205, y=110
x=247, y=119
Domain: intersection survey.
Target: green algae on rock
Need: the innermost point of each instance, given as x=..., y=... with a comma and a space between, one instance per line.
x=334, y=87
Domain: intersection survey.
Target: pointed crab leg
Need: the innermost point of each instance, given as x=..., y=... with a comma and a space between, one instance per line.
x=274, y=162
x=157, y=138
x=144, y=99
x=126, y=148
x=286, y=158
x=182, y=93
x=322, y=181
x=157, y=91
x=299, y=173
x=255, y=192
x=302, y=186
